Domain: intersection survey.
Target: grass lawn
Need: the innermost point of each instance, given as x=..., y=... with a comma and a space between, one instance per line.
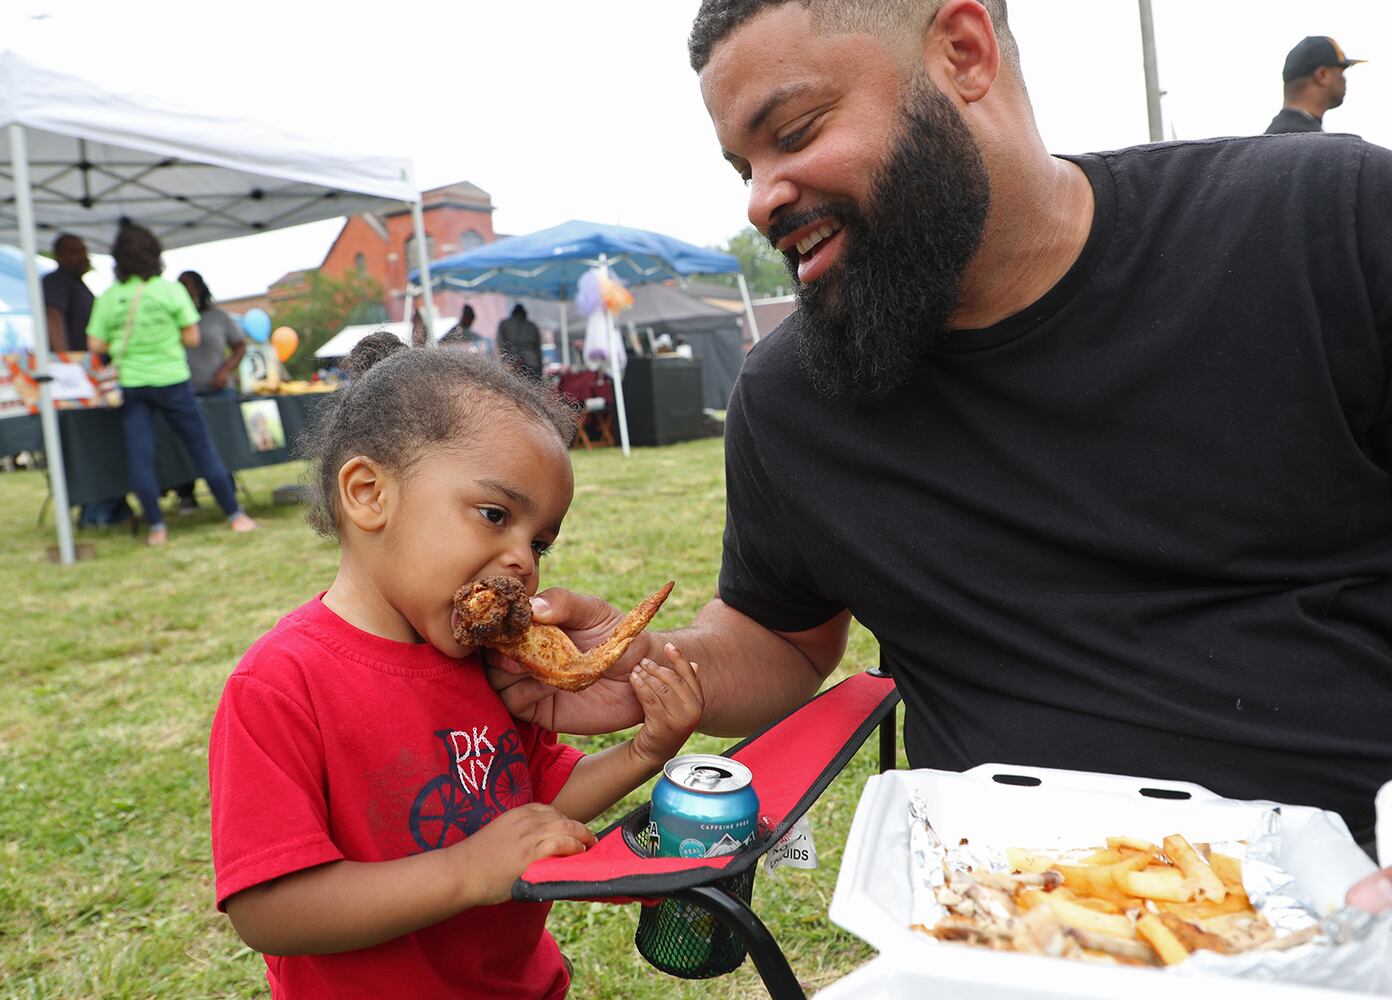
x=112, y=669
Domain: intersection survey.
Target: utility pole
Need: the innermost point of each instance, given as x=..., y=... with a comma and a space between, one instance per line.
x=1152, y=74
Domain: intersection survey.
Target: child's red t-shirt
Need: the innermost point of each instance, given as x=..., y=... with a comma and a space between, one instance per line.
x=330, y=743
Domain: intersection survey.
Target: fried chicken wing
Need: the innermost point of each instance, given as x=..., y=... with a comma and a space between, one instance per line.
x=497, y=613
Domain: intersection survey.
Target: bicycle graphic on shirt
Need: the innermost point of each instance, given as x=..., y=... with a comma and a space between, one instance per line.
x=471, y=792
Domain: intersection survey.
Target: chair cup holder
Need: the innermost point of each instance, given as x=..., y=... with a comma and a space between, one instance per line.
x=681, y=938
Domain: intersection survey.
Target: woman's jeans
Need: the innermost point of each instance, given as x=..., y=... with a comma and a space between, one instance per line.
x=180, y=409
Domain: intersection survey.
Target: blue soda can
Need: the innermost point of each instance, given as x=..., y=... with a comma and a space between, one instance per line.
x=703, y=806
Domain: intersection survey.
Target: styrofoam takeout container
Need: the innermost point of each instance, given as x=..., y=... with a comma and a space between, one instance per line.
x=1015, y=806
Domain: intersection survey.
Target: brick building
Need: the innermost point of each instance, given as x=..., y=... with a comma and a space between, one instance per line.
x=382, y=245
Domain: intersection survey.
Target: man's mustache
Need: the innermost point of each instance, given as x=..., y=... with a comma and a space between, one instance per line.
x=844, y=212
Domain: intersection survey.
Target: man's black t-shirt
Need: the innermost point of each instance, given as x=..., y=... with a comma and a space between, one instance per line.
x=69, y=295
x=1293, y=120
x=1143, y=526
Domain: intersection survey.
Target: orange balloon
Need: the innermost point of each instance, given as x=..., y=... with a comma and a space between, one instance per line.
x=285, y=341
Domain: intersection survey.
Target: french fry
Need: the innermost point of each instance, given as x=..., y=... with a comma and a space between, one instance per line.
x=1195, y=868
x=1108, y=857
x=1170, y=949
x=1167, y=884
x=1193, y=938
x=1084, y=918
x=1101, y=905
x=1133, y=843
x=1100, y=880
x=1226, y=868
x=1021, y=860
x=1235, y=901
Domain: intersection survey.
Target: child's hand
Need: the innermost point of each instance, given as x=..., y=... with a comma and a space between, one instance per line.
x=501, y=851
x=672, y=705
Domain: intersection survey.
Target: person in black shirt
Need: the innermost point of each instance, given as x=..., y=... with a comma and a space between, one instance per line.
x=1098, y=447
x=1314, y=78
x=67, y=308
x=519, y=342
x=67, y=299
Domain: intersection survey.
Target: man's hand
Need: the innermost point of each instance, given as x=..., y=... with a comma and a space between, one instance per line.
x=219, y=380
x=606, y=706
x=495, y=857
x=1373, y=893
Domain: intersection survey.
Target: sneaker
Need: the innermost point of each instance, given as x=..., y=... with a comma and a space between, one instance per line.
x=187, y=506
x=239, y=522
x=158, y=535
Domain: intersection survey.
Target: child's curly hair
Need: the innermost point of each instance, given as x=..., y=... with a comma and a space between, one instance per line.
x=399, y=401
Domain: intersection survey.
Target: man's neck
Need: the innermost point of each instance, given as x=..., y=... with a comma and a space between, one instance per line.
x=1040, y=217
x=1311, y=106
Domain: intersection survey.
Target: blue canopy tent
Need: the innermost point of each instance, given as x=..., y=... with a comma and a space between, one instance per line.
x=548, y=264
x=15, y=326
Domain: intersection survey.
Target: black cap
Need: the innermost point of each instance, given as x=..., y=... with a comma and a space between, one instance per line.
x=1311, y=53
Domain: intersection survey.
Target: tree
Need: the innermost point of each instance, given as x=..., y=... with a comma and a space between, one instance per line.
x=327, y=306
x=765, y=269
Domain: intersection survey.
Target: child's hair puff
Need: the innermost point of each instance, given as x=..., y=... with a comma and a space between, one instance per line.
x=400, y=401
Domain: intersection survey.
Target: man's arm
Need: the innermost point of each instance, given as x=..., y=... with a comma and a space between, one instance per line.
x=751, y=675
x=57, y=330
x=228, y=366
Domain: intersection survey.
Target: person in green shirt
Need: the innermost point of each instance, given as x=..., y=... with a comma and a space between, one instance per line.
x=144, y=322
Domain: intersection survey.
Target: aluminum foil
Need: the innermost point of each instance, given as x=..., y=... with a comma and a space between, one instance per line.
x=1351, y=951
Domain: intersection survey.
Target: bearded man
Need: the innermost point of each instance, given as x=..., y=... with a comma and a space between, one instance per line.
x=1103, y=446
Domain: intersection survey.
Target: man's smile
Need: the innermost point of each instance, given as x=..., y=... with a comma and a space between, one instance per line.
x=815, y=246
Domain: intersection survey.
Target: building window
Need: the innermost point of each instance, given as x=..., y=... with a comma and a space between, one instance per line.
x=411, y=249
x=360, y=262
x=469, y=239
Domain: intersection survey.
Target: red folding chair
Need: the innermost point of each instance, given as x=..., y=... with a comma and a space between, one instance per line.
x=593, y=392
x=793, y=761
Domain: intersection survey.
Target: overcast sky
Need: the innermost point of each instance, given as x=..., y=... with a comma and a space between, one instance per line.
x=564, y=109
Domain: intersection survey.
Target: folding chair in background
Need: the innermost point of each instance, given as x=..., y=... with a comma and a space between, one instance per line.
x=696, y=921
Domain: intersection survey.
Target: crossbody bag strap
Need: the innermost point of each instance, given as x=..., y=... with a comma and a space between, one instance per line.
x=130, y=318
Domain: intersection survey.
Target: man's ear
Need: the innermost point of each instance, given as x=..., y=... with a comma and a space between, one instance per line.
x=960, y=50
x=361, y=484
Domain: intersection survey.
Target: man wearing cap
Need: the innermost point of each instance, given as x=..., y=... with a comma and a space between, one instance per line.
x=1314, y=76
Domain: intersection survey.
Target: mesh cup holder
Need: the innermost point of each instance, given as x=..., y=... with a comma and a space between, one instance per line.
x=683, y=939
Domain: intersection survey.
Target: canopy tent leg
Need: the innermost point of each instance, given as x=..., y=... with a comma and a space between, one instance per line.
x=565, y=336
x=615, y=372
x=423, y=262
x=748, y=307
x=48, y=415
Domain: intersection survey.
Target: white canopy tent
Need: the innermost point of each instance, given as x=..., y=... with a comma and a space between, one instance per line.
x=346, y=339
x=77, y=157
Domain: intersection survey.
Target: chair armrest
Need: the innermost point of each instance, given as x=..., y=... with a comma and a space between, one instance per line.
x=793, y=761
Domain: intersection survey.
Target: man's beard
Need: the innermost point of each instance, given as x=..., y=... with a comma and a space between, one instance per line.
x=864, y=327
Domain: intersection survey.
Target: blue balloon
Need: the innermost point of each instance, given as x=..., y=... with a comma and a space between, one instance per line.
x=257, y=325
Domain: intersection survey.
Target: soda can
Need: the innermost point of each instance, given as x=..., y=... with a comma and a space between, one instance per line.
x=703, y=806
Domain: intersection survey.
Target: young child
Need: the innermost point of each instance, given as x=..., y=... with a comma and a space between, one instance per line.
x=372, y=800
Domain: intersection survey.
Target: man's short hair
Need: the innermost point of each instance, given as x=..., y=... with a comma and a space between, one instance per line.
x=718, y=18
x=62, y=238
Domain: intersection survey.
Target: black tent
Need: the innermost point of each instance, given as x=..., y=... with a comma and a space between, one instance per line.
x=715, y=334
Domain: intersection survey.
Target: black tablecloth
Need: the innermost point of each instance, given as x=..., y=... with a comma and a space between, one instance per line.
x=94, y=450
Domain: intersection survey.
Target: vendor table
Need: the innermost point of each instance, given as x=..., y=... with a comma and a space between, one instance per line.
x=94, y=450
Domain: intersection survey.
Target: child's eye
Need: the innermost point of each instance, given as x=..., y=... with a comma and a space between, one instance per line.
x=541, y=548
x=495, y=515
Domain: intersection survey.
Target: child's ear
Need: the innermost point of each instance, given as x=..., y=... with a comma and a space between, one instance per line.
x=360, y=487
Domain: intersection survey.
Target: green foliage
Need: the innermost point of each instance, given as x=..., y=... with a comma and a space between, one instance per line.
x=765, y=269
x=112, y=669
x=327, y=306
